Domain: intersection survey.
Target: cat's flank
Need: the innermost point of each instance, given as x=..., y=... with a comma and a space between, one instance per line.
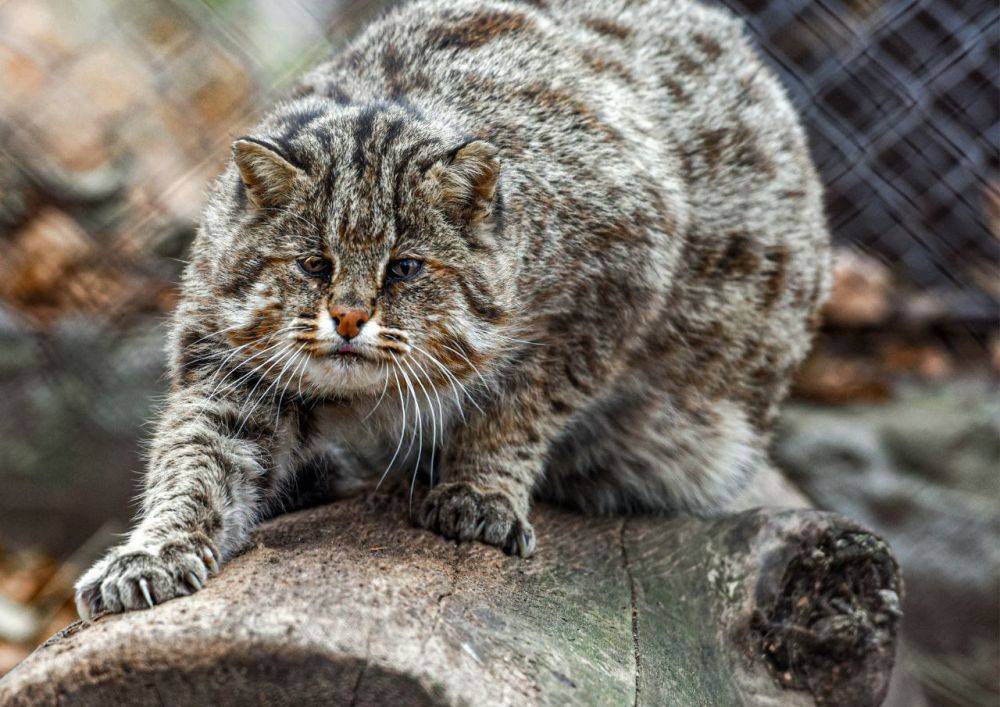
x=564, y=248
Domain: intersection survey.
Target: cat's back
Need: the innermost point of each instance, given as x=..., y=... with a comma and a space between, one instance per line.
x=593, y=89
x=672, y=59
x=512, y=70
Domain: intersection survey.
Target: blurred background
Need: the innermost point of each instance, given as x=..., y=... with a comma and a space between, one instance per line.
x=115, y=114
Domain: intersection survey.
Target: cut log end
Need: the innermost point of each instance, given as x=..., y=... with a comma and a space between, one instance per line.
x=830, y=628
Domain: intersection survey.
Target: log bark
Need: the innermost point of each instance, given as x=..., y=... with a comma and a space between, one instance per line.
x=349, y=604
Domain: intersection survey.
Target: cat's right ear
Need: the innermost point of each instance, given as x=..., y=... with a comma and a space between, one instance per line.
x=267, y=175
x=466, y=183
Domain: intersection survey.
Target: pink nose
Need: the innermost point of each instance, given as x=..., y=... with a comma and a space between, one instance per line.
x=348, y=320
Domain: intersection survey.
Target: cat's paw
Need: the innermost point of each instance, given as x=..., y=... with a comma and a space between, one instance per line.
x=462, y=512
x=131, y=577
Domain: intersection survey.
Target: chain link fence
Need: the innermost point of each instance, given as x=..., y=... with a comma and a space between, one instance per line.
x=114, y=116
x=900, y=98
x=901, y=102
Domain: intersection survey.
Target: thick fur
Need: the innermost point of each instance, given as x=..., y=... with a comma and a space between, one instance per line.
x=623, y=251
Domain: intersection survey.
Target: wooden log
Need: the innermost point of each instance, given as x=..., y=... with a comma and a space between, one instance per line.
x=349, y=604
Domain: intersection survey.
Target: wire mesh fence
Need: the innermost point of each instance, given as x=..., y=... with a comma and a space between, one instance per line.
x=900, y=98
x=114, y=116
x=118, y=113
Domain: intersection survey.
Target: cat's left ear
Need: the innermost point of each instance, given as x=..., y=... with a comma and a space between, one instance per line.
x=466, y=184
x=268, y=176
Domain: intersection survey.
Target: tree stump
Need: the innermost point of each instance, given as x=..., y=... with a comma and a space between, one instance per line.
x=350, y=604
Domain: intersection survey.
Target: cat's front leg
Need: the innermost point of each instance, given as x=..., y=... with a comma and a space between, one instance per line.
x=210, y=470
x=490, y=469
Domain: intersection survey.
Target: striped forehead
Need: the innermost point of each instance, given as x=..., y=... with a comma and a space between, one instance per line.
x=357, y=157
x=376, y=132
x=314, y=133
x=360, y=204
x=367, y=183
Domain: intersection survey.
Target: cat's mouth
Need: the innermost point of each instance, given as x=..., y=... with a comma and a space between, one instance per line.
x=348, y=354
x=356, y=354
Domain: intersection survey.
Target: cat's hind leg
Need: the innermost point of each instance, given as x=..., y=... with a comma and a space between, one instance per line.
x=635, y=452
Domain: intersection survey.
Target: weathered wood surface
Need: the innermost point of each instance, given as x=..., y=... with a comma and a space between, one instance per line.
x=350, y=604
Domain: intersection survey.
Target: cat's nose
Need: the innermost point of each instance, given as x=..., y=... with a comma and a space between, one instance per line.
x=348, y=320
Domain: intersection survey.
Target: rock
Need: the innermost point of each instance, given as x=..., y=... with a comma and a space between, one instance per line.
x=73, y=403
x=18, y=623
x=921, y=470
x=835, y=380
x=862, y=290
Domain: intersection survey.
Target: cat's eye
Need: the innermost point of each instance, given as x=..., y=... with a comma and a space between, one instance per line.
x=403, y=269
x=315, y=265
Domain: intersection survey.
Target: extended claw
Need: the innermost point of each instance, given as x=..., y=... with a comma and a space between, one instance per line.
x=425, y=519
x=144, y=587
x=522, y=544
x=209, y=557
x=193, y=580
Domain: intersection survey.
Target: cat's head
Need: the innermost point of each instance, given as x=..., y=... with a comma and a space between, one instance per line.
x=355, y=249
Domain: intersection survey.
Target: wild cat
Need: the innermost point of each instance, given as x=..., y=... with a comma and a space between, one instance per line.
x=562, y=248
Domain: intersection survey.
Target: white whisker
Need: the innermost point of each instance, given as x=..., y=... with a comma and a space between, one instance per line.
x=440, y=435
x=402, y=429
x=214, y=333
x=385, y=387
x=418, y=436
x=289, y=359
x=221, y=388
x=453, y=380
x=235, y=351
x=302, y=370
x=277, y=358
x=430, y=408
x=471, y=365
x=516, y=341
x=291, y=377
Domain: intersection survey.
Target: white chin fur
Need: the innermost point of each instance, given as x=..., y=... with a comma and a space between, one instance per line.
x=336, y=377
